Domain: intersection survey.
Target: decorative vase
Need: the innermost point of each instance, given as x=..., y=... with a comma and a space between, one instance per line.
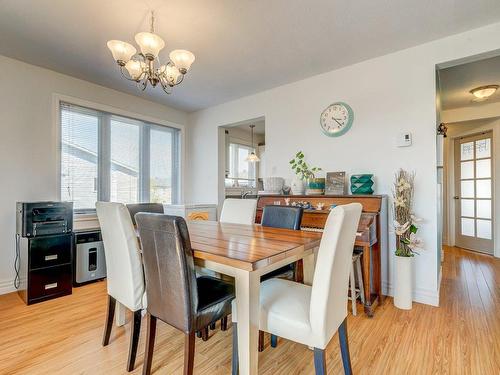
x=297, y=186
x=362, y=184
x=315, y=186
x=403, y=283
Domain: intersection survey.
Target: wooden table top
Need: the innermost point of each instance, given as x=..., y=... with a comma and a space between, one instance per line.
x=247, y=247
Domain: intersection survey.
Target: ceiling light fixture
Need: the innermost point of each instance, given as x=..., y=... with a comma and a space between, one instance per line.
x=483, y=92
x=145, y=67
x=252, y=158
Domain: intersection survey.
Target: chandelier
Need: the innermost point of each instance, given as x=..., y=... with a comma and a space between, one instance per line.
x=145, y=67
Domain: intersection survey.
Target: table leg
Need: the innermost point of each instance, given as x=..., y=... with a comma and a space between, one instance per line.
x=247, y=307
x=120, y=316
x=308, y=267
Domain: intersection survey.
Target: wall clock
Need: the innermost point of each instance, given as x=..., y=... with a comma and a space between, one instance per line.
x=336, y=119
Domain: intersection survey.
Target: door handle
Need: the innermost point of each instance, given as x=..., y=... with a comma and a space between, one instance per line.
x=456, y=197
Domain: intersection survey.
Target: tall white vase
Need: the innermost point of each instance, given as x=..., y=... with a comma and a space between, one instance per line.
x=298, y=186
x=403, y=283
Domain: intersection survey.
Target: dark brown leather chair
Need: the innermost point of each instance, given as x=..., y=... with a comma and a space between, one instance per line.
x=175, y=295
x=135, y=208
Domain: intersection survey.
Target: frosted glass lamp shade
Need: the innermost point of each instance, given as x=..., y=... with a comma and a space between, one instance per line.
x=150, y=44
x=171, y=73
x=135, y=68
x=484, y=92
x=122, y=51
x=182, y=59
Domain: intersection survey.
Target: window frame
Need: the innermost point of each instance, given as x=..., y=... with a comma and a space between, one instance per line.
x=234, y=162
x=109, y=111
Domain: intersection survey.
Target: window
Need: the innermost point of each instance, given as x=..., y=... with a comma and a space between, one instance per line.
x=113, y=158
x=241, y=172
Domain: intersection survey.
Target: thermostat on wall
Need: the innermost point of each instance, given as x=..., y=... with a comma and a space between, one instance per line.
x=404, y=140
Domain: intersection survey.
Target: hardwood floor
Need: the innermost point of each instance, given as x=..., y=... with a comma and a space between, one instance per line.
x=462, y=336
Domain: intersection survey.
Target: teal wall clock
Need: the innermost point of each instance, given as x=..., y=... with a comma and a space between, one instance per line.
x=336, y=119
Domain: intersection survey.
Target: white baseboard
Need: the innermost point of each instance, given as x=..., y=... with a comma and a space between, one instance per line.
x=425, y=296
x=7, y=286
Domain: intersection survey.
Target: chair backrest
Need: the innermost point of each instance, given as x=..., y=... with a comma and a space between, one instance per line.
x=331, y=276
x=125, y=277
x=238, y=211
x=134, y=208
x=287, y=217
x=171, y=287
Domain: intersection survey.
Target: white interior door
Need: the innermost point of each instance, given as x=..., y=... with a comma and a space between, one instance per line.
x=474, y=192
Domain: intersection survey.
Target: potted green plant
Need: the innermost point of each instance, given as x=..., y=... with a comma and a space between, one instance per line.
x=407, y=242
x=305, y=174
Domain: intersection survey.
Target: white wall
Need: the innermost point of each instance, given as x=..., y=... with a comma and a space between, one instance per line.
x=389, y=94
x=28, y=156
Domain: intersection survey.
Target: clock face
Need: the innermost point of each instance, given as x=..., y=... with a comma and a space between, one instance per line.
x=336, y=119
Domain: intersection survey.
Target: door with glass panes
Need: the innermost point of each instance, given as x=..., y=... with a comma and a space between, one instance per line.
x=474, y=192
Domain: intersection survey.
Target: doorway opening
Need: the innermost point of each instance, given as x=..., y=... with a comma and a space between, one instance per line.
x=241, y=173
x=469, y=152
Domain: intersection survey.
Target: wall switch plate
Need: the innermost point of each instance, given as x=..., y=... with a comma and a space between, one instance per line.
x=404, y=139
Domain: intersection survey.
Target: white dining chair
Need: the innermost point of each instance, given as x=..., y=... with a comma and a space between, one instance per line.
x=310, y=315
x=125, y=276
x=238, y=211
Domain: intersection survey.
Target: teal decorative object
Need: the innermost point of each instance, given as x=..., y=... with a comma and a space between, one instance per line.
x=362, y=184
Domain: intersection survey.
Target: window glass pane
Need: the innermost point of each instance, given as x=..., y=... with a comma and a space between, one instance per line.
x=483, y=168
x=160, y=166
x=483, y=209
x=483, y=188
x=467, y=227
x=467, y=169
x=467, y=207
x=467, y=189
x=467, y=151
x=484, y=229
x=243, y=170
x=483, y=148
x=79, y=158
x=124, y=162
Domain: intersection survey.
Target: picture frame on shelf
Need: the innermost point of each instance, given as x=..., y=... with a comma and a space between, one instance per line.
x=336, y=183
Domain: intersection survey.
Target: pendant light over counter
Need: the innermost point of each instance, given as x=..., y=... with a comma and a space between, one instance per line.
x=252, y=158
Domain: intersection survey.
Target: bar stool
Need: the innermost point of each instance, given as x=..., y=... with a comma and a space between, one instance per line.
x=356, y=276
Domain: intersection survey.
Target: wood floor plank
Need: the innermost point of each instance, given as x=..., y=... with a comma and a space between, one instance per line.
x=63, y=336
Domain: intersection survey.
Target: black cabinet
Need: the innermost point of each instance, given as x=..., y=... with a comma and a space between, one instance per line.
x=46, y=268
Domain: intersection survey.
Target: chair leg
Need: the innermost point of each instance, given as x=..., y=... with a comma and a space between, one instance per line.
x=212, y=326
x=235, y=362
x=223, y=324
x=353, y=290
x=150, y=345
x=344, y=348
x=204, y=334
x=110, y=315
x=261, y=341
x=134, y=340
x=360, y=280
x=319, y=361
x=274, y=341
x=189, y=353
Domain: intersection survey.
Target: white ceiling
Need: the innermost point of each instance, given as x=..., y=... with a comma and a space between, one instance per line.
x=241, y=46
x=457, y=81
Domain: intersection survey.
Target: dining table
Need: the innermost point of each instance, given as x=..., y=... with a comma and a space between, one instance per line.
x=246, y=252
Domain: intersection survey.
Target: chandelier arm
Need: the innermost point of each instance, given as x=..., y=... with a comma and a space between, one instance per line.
x=166, y=87
x=142, y=85
x=180, y=80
